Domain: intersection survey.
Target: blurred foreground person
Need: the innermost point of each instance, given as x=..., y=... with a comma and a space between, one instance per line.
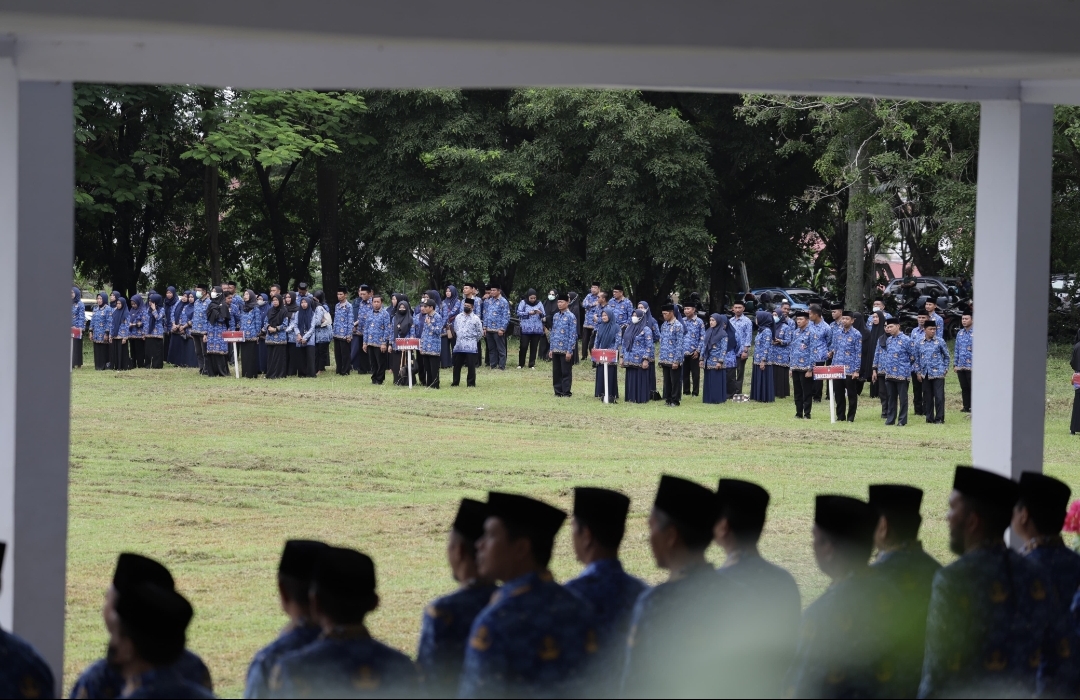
x=846, y=645
x=901, y=559
x=683, y=633
x=536, y=637
x=991, y=609
x=23, y=673
x=105, y=678
x=769, y=640
x=295, y=572
x=344, y=661
x=447, y=621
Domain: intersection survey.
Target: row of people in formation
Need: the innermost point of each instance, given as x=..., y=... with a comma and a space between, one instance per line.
x=995, y=622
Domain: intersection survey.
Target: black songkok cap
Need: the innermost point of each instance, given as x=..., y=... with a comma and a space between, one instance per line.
x=467, y=302
x=492, y=285
x=345, y=573
x=299, y=557
x=847, y=313
x=896, y=498
x=365, y=288
x=343, y=289
x=993, y=489
x=603, y=510
x=667, y=307
x=846, y=518
x=134, y=569
x=469, y=522
x=154, y=610
x=801, y=313
x=745, y=499
x=691, y=305
x=596, y=284
x=617, y=288
x=563, y=297
x=528, y=513
x=1044, y=493
x=428, y=302
x=687, y=502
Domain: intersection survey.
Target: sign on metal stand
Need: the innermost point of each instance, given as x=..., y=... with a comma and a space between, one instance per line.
x=407, y=345
x=234, y=337
x=606, y=357
x=76, y=334
x=826, y=373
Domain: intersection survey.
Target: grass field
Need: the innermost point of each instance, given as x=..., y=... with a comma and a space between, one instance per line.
x=212, y=475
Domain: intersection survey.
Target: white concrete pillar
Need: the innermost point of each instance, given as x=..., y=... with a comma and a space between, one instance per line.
x=1012, y=278
x=37, y=179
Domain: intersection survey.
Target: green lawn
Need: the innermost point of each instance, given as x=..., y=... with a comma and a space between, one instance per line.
x=212, y=475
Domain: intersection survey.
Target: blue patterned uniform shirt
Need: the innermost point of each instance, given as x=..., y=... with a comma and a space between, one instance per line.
x=215, y=341
x=963, y=348
x=496, y=314
x=137, y=321
x=291, y=639
x=78, y=313
x=933, y=357
x=590, y=305
x=379, y=328
x=343, y=320
x=694, y=335
x=897, y=359
x=715, y=356
x=640, y=350
x=1060, y=677
x=101, y=323
x=167, y=683
x=444, y=632
x=535, y=639
x=781, y=351
x=531, y=324
x=847, y=350
x=468, y=330
x=361, y=311
x=251, y=323
x=449, y=311
x=940, y=323
x=612, y=593
x=344, y=666
x=801, y=352
x=671, y=343
x=820, y=338
x=198, y=316
x=744, y=332
x=100, y=680
x=987, y=627
x=23, y=673
x=431, y=336
x=563, y=332
x=621, y=310
x=763, y=346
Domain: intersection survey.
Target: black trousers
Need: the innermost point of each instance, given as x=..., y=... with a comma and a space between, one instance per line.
x=883, y=394
x=118, y=356
x=138, y=352
x=562, y=374
x=818, y=384
x=803, y=389
x=276, y=361
x=529, y=342
x=429, y=372
x=200, y=351
x=672, y=385
x=735, y=376
x=496, y=349
x=249, y=359
x=155, y=352
x=343, y=356
x=586, y=341
x=917, y=391
x=691, y=374
x=469, y=361
x=377, y=361
x=896, y=409
x=76, y=352
x=846, y=391
x=934, y=399
x=360, y=360
x=101, y=355
x=964, y=375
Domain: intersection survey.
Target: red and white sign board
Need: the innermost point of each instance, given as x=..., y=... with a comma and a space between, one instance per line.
x=407, y=344
x=608, y=356
x=233, y=336
x=76, y=332
x=830, y=372
x=1076, y=380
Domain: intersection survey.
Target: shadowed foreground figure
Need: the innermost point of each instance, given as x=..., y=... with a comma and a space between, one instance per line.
x=23, y=673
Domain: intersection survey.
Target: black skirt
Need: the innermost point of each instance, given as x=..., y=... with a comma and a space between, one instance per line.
x=322, y=356
x=276, y=361
x=118, y=356
x=217, y=365
x=1074, y=426
x=761, y=384
x=306, y=361
x=780, y=381
x=638, y=385
x=249, y=359
x=101, y=356
x=155, y=352
x=715, y=386
x=76, y=352
x=446, y=354
x=294, y=360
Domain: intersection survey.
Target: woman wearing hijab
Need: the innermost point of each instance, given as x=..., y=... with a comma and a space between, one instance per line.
x=762, y=381
x=324, y=331
x=137, y=331
x=78, y=320
x=155, y=332
x=100, y=325
x=637, y=358
x=714, y=356
x=277, y=318
x=871, y=341
x=654, y=328
x=251, y=326
x=449, y=309
x=605, y=336
x=181, y=346
x=118, y=334
x=218, y=321
x=530, y=313
x=783, y=328
x=292, y=353
x=304, y=327
x=168, y=304
x=1074, y=362
x=401, y=325
x=263, y=307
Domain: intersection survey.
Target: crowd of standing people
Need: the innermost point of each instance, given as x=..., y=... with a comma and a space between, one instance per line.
x=995, y=623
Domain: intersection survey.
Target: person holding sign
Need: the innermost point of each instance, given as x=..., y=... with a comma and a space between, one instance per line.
x=846, y=350
x=251, y=325
x=401, y=325
x=637, y=353
x=896, y=359
x=562, y=344
x=468, y=330
x=605, y=336
x=933, y=365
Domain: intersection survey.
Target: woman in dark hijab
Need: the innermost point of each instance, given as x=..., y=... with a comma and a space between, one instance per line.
x=763, y=381
x=182, y=347
x=324, y=331
x=156, y=329
x=251, y=326
x=168, y=304
x=137, y=331
x=277, y=318
x=118, y=334
x=402, y=325
x=100, y=324
x=654, y=329
x=530, y=314
x=606, y=337
x=448, y=309
x=263, y=302
x=714, y=349
x=1074, y=362
x=305, y=337
x=217, y=322
x=871, y=342
x=292, y=353
x=78, y=320
x=638, y=352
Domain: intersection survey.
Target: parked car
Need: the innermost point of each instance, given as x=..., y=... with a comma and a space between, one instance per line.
x=924, y=286
x=800, y=298
x=88, y=308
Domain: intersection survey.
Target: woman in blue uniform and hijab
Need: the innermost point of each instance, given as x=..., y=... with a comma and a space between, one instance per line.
x=100, y=325
x=118, y=334
x=606, y=337
x=78, y=320
x=719, y=337
x=637, y=358
x=251, y=326
x=324, y=331
x=449, y=309
x=305, y=337
x=763, y=381
x=277, y=318
x=293, y=357
x=654, y=329
x=155, y=332
x=137, y=331
x=169, y=305
x=217, y=322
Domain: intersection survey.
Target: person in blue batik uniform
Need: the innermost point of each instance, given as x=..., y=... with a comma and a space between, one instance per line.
x=23, y=673
x=250, y=318
x=449, y=308
x=361, y=311
x=119, y=357
x=622, y=307
x=801, y=359
x=444, y=630
x=636, y=357
x=295, y=573
x=78, y=320
x=137, y=331
x=590, y=312
x=916, y=335
x=773, y=595
x=933, y=358
x=562, y=343
x=846, y=644
x=962, y=359
x=430, y=343
x=935, y=317
x=715, y=345
x=274, y=329
x=1037, y=520
x=496, y=319
x=762, y=377
x=991, y=611
x=744, y=335
x=198, y=325
x=536, y=638
x=530, y=313
x=597, y=528
x=217, y=322
x=99, y=331
x=377, y=338
x=911, y=570
x=692, y=339
x=343, y=332
x=671, y=355
x=468, y=330
x=155, y=332
x=605, y=336
x=895, y=358
x=846, y=350
x=820, y=339
x=106, y=678
x=782, y=330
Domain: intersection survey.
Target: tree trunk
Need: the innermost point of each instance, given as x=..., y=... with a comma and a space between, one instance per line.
x=213, y=220
x=277, y=224
x=856, y=232
x=326, y=187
